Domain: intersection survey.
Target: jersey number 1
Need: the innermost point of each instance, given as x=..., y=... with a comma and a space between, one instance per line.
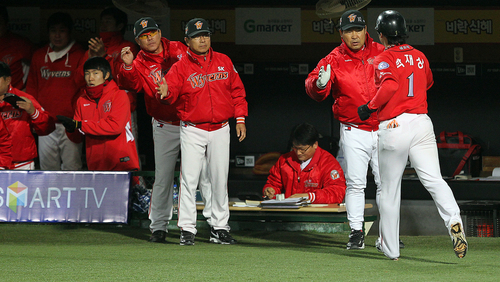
x=410, y=85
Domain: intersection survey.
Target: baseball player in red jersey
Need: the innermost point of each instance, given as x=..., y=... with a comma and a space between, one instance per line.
x=403, y=77
x=208, y=91
x=143, y=74
x=307, y=171
x=21, y=119
x=102, y=115
x=5, y=146
x=54, y=82
x=348, y=74
x=16, y=53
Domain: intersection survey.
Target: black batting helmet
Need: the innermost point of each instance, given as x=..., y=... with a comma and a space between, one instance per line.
x=391, y=23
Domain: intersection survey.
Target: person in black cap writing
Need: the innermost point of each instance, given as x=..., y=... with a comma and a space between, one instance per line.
x=142, y=74
x=348, y=73
x=208, y=91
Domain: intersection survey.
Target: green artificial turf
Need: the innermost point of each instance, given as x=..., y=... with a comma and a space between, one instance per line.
x=58, y=252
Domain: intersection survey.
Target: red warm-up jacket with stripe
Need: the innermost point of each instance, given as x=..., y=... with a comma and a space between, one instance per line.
x=21, y=125
x=212, y=94
x=109, y=142
x=352, y=82
x=56, y=85
x=5, y=147
x=147, y=71
x=16, y=52
x=323, y=178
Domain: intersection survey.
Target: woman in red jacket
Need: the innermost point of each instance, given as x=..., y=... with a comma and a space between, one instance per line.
x=102, y=114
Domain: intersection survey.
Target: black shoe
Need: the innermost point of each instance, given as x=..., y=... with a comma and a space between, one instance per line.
x=187, y=238
x=401, y=244
x=356, y=240
x=221, y=237
x=158, y=236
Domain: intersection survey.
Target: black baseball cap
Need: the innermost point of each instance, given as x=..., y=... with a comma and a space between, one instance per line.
x=144, y=24
x=351, y=18
x=195, y=26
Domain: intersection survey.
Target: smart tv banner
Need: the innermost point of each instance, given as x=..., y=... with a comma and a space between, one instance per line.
x=268, y=26
x=58, y=196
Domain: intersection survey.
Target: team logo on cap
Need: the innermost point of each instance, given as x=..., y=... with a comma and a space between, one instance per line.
x=198, y=25
x=144, y=23
x=352, y=17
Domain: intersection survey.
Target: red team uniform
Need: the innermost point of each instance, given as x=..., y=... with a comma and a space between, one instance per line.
x=106, y=124
x=21, y=126
x=323, y=178
x=5, y=147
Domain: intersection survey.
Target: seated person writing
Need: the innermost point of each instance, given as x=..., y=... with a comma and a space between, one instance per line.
x=307, y=171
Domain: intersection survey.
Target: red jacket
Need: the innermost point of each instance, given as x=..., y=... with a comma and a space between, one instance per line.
x=55, y=85
x=21, y=125
x=352, y=82
x=109, y=142
x=322, y=178
x=5, y=147
x=206, y=95
x=16, y=51
x=146, y=71
x=114, y=43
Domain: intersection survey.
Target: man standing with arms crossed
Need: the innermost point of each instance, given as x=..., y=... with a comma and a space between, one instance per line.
x=348, y=73
x=208, y=91
x=403, y=76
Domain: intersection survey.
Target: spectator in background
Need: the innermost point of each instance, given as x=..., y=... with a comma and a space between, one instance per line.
x=307, y=171
x=15, y=50
x=103, y=115
x=54, y=82
x=22, y=118
x=113, y=24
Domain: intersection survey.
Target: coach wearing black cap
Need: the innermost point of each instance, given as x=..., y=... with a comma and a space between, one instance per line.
x=348, y=73
x=143, y=74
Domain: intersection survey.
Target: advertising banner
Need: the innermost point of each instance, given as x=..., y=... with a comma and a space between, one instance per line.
x=268, y=26
x=221, y=22
x=57, y=196
x=419, y=24
x=318, y=30
x=467, y=26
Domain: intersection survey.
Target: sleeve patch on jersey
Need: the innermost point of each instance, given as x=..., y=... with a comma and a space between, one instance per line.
x=383, y=65
x=334, y=174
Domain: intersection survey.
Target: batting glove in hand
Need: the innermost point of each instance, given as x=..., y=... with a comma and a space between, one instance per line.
x=323, y=77
x=70, y=124
x=364, y=112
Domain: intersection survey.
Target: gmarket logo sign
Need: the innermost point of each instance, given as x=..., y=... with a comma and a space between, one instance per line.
x=251, y=27
x=16, y=195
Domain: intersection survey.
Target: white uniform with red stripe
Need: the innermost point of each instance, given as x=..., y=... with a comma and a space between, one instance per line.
x=403, y=76
x=207, y=91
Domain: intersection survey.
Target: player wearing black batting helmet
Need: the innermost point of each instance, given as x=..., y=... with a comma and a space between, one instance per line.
x=391, y=23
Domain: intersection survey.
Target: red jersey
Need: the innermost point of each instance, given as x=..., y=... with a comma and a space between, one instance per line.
x=322, y=178
x=16, y=51
x=114, y=43
x=109, y=142
x=146, y=71
x=53, y=78
x=351, y=82
x=209, y=94
x=5, y=147
x=21, y=125
x=406, y=69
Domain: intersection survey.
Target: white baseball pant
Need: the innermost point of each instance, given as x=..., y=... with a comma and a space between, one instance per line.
x=409, y=135
x=56, y=148
x=357, y=150
x=197, y=145
x=166, y=139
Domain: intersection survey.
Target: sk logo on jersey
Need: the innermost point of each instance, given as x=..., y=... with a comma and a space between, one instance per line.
x=107, y=106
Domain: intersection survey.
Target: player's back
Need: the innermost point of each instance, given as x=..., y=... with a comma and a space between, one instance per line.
x=410, y=69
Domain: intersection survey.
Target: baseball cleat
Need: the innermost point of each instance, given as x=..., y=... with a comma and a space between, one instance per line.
x=221, y=237
x=356, y=240
x=187, y=238
x=401, y=244
x=158, y=236
x=378, y=245
x=459, y=241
